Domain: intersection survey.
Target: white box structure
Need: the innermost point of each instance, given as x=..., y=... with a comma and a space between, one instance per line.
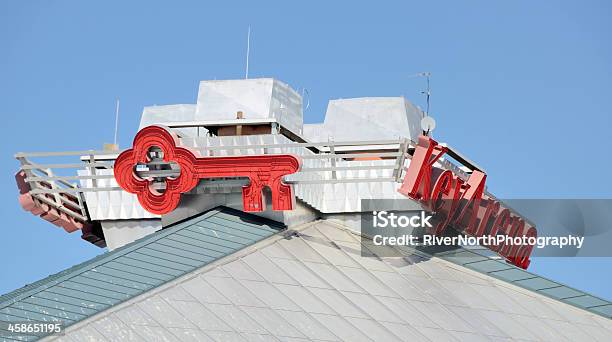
x=262, y=98
x=367, y=118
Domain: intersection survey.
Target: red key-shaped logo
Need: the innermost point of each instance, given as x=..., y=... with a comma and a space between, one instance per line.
x=261, y=170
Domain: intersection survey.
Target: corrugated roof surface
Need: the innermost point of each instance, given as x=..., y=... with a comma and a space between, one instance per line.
x=88, y=288
x=479, y=259
x=323, y=284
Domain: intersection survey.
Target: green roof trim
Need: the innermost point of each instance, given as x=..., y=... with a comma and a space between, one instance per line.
x=114, y=277
x=481, y=260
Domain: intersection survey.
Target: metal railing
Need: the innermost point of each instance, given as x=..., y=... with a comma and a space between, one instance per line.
x=336, y=161
x=52, y=190
x=41, y=174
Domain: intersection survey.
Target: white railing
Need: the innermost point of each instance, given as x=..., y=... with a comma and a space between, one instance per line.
x=41, y=174
x=65, y=192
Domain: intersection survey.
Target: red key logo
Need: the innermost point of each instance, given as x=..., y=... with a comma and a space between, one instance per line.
x=156, y=145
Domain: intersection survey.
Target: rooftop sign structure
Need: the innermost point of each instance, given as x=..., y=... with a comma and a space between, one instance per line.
x=243, y=137
x=263, y=170
x=463, y=204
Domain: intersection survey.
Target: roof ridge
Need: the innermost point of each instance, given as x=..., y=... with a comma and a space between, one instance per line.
x=215, y=231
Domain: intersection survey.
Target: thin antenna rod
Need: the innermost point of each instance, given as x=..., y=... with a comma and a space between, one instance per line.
x=428, y=75
x=116, y=120
x=427, y=92
x=246, y=74
x=305, y=93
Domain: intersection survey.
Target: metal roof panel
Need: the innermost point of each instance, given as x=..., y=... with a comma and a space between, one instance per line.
x=109, y=279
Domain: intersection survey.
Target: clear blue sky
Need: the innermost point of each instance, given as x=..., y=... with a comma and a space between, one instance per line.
x=514, y=85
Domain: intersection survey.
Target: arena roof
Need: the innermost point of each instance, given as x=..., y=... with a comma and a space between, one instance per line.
x=228, y=275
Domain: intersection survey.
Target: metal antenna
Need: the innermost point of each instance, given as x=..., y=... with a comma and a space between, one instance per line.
x=246, y=74
x=427, y=92
x=304, y=93
x=116, y=121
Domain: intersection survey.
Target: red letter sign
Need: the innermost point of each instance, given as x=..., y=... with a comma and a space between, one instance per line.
x=462, y=204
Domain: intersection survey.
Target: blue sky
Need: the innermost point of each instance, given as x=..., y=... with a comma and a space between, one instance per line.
x=521, y=87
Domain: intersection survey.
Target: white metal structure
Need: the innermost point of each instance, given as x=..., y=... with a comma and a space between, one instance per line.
x=359, y=152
